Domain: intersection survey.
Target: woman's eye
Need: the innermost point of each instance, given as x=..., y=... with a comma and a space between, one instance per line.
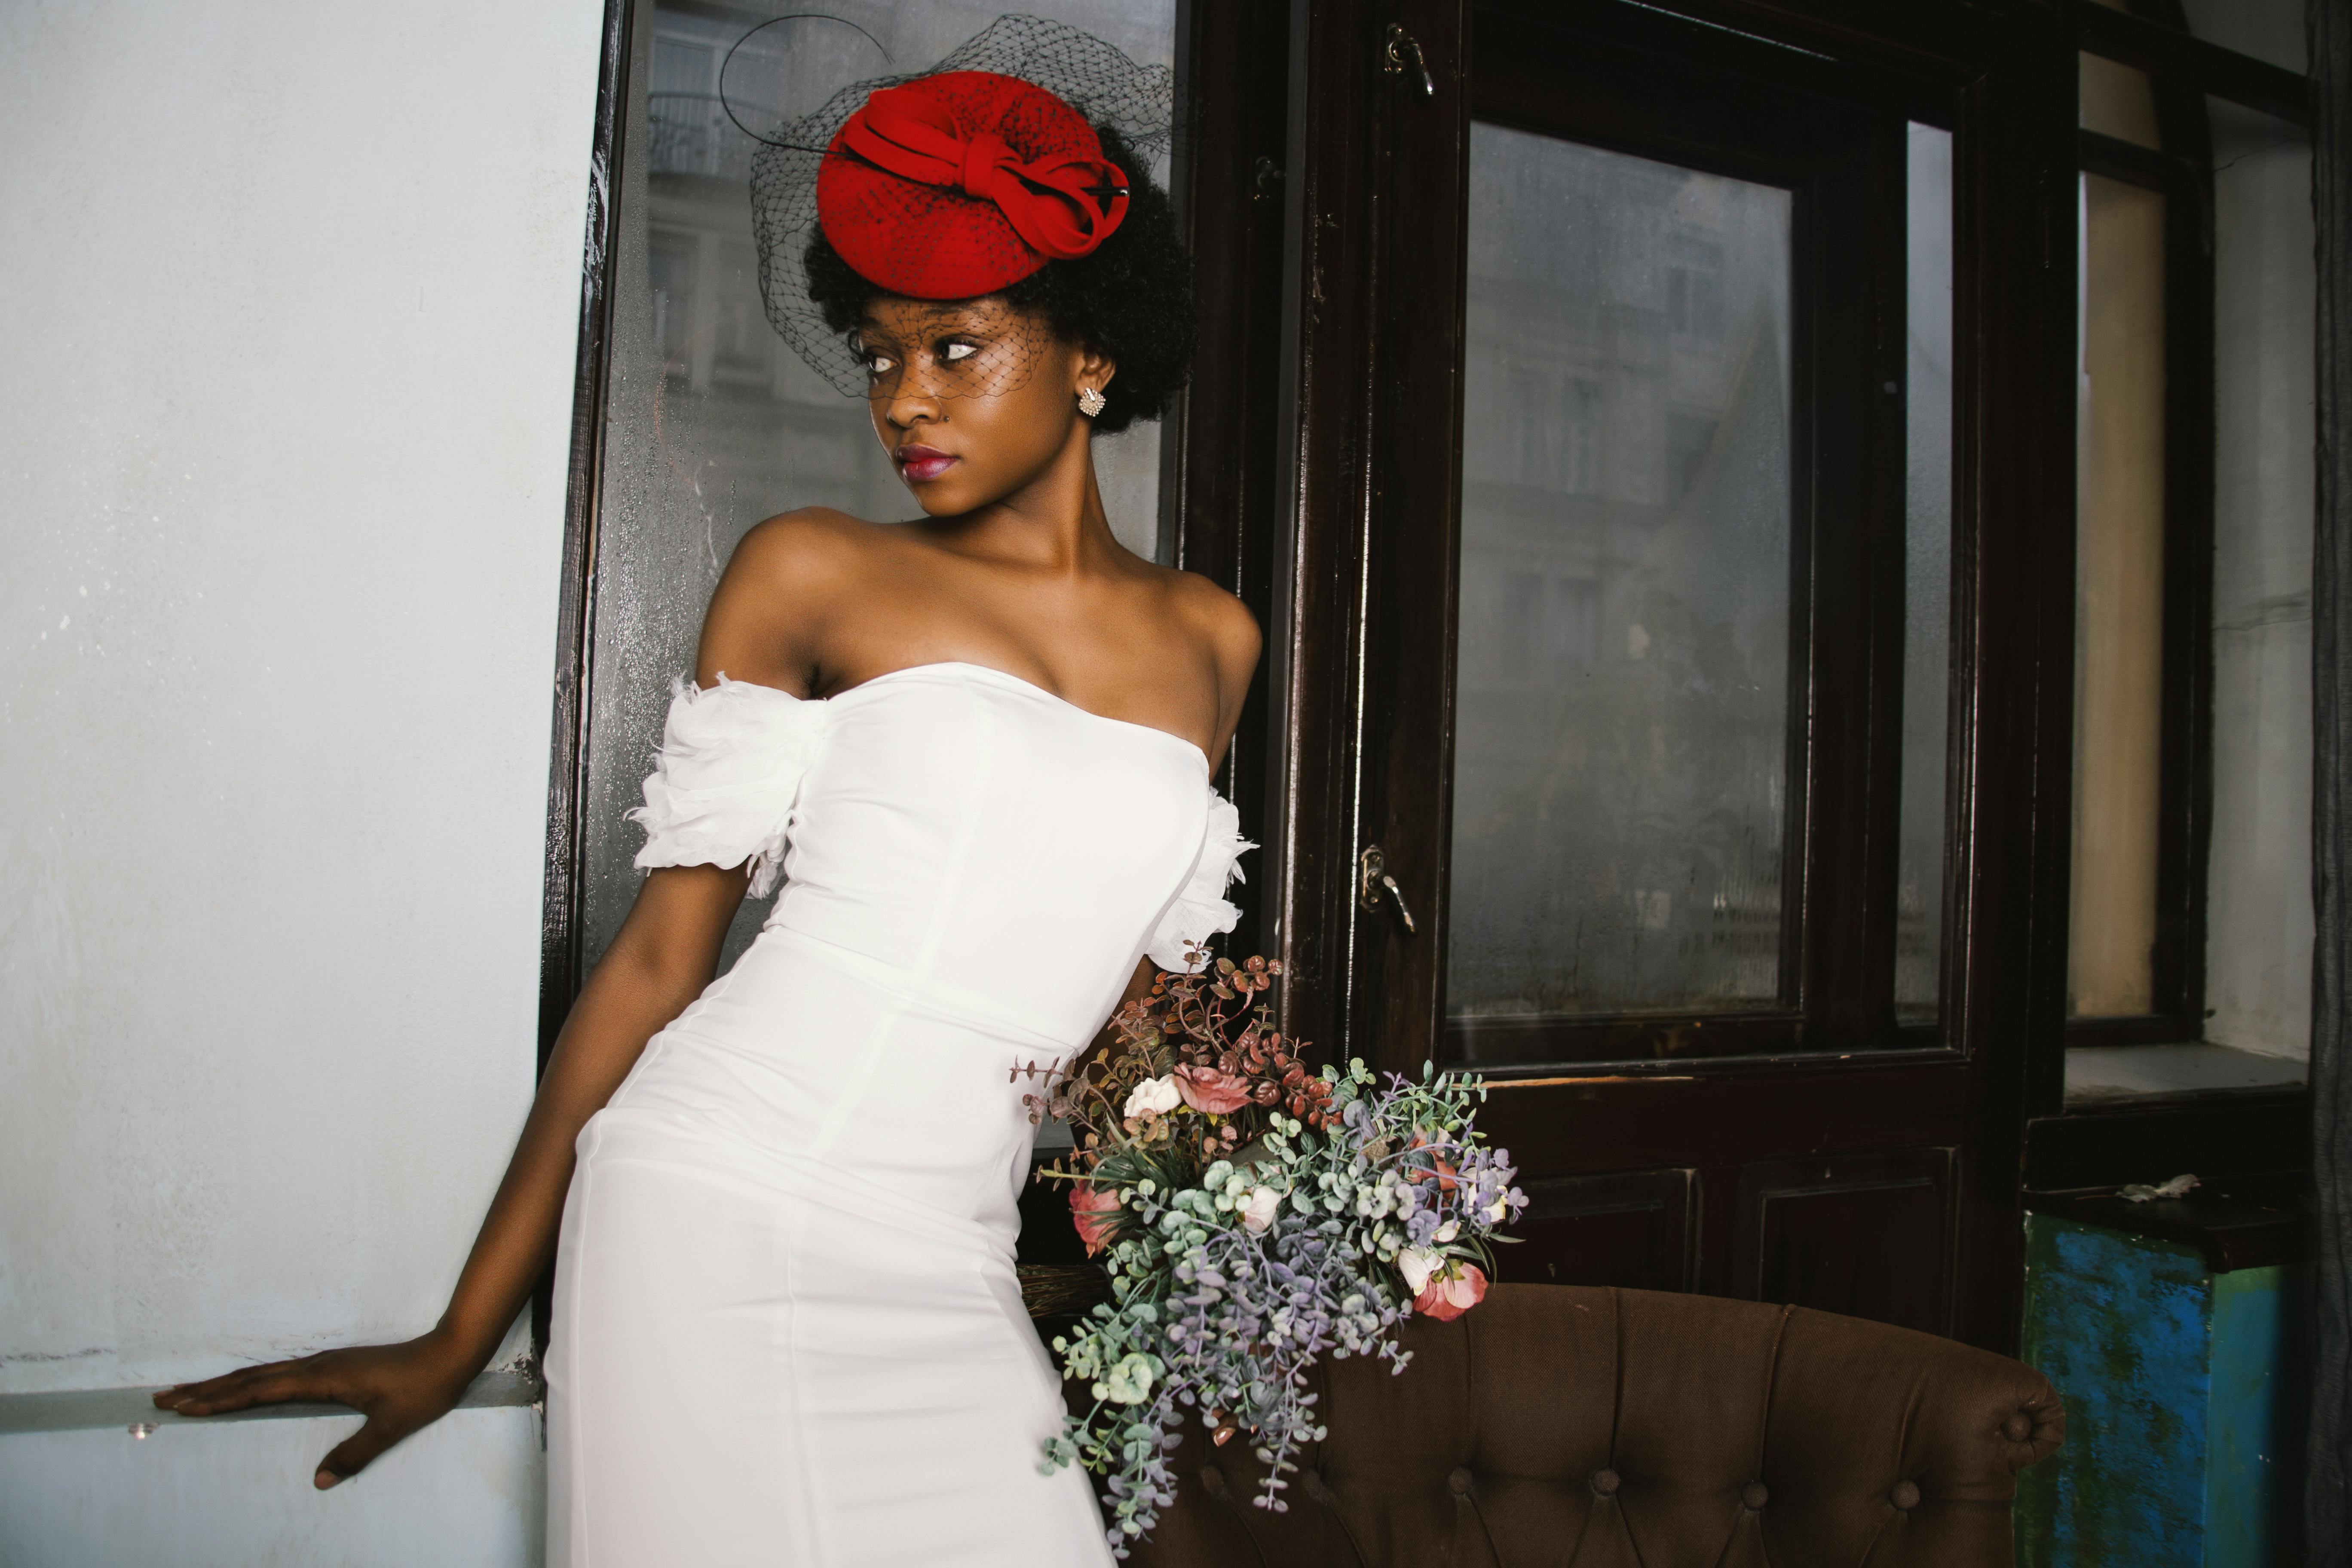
x=962, y=351
x=877, y=365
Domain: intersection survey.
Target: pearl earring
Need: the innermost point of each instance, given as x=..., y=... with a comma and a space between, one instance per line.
x=1090, y=402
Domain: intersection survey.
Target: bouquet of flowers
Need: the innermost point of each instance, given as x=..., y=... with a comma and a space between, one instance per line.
x=1252, y=1214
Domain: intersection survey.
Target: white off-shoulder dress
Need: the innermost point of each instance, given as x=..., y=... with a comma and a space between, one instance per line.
x=787, y=1328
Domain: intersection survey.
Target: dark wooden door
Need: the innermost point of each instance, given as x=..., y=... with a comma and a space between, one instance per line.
x=1665, y=722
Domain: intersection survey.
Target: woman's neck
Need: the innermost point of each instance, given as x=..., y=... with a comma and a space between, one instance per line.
x=1053, y=523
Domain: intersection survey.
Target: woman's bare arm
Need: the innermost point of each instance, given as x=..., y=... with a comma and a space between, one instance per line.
x=662, y=959
x=1234, y=644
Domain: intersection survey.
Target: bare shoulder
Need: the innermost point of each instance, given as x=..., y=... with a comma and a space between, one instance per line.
x=807, y=546
x=1221, y=620
x=787, y=579
x=1220, y=626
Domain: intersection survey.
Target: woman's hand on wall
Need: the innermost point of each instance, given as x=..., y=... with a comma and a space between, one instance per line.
x=399, y=1388
x=665, y=953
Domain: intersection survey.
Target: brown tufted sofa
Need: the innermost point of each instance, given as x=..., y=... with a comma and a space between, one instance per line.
x=1561, y=1426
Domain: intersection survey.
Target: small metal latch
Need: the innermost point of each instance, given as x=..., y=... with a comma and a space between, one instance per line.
x=1263, y=177
x=1373, y=880
x=1392, y=58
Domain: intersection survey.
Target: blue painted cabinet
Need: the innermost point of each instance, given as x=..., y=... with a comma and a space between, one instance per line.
x=2183, y=1411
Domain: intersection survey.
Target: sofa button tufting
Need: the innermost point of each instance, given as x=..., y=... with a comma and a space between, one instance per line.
x=1460, y=1480
x=1753, y=1496
x=1212, y=1481
x=1605, y=1483
x=1905, y=1495
x=2018, y=1428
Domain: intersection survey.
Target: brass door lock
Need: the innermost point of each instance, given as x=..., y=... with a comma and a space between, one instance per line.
x=1401, y=43
x=1373, y=880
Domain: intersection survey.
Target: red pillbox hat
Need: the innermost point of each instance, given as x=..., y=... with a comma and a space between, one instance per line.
x=965, y=183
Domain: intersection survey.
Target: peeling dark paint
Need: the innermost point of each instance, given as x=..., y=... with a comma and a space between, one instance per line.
x=2176, y=1381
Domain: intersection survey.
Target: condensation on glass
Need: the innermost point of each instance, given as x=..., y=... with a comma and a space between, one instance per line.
x=712, y=423
x=2118, y=597
x=1622, y=708
x=1927, y=575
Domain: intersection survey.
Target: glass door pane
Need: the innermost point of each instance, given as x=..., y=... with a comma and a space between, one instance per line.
x=1620, y=767
x=1926, y=572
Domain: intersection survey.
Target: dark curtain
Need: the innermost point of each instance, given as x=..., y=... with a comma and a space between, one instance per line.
x=2327, y=1501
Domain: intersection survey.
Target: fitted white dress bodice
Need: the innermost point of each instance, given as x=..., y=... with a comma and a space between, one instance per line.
x=787, y=1327
x=957, y=827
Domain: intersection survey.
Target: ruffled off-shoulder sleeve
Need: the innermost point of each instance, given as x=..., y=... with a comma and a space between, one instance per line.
x=728, y=776
x=1201, y=911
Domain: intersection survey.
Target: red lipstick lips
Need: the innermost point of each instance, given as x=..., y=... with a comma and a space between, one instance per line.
x=922, y=463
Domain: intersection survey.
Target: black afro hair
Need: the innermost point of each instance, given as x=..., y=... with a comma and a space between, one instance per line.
x=1131, y=298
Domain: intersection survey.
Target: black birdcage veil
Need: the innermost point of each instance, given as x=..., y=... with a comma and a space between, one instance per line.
x=1110, y=90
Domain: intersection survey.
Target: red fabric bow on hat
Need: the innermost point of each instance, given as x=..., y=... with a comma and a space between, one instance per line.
x=963, y=183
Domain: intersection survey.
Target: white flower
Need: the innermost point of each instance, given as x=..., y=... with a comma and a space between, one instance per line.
x=1447, y=1232
x=1495, y=1211
x=1128, y=1382
x=1417, y=1265
x=1259, y=1208
x=1157, y=1095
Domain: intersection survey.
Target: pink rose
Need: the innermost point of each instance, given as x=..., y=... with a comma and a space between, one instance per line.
x=1213, y=1091
x=1095, y=1211
x=1453, y=1293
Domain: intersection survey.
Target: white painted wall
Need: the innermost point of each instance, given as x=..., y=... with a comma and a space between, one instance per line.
x=289, y=295
x=468, y=1491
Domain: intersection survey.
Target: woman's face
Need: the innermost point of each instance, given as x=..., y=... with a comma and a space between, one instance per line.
x=973, y=399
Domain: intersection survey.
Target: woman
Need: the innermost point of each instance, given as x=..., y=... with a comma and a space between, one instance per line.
x=978, y=747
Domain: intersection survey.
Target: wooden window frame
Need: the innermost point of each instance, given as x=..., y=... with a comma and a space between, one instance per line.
x=1843, y=162
x=562, y=962
x=1223, y=460
x=2223, y=1133
x=2182, y=171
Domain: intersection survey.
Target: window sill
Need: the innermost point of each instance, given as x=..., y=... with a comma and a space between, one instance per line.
x=2114, y=1075
x=89, y=1409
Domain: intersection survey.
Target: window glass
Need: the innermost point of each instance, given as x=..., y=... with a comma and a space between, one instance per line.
x=2119, y=596
x=2258, y=889
x=1621, y=743
x=1927, y=575
x=712, y=422
x=2118, y=101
